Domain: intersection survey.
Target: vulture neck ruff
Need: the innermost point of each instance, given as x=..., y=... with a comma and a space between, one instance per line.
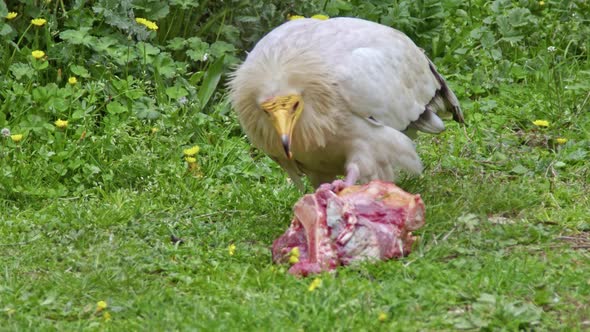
x=270, y=73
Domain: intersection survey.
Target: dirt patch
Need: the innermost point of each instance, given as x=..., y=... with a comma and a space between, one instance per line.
x=577, y=241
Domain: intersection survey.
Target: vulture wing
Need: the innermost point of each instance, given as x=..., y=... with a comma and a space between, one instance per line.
x=384, y=77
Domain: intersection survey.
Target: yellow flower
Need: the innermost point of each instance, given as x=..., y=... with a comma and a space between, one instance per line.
x=106, y=316
x=38, y=22
x=295, y=17
x=72, y=80
x=561, y=140
x=154, y=130
x=11, y=15
x=294, y=255
x=59, y=123
x=190, y=152
x=541, y=3
x=101, y=305
x=317, y=282
x=147, y=23
x=231, y=249
x=541, y=123
x=190, y=160
x=320, y=17
x=16, y=138
x=38, y=54
x=382, y=316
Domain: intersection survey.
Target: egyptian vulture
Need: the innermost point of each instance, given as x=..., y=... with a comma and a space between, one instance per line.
x=340, y=97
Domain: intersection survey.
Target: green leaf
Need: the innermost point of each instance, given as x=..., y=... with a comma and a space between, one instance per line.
x=154, y=10
x=519, y=169
x=184, y=4
x=79, y=71
x=176, y=44
x=21, y=69
x=5, y=29
x=165, y=65
x=104, y=44
x=78, y=37
x=577, y=155
x=40, y=64
x=77, y=114
x=115, y=107
x=519, y=17
x=147, y=49
x=196, y=77
x=212, y=77
x=175, y=92
x=144, y=109
x=198, y=49
x=220, y=48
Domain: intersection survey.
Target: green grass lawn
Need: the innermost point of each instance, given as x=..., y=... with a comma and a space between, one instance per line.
x=108, y=209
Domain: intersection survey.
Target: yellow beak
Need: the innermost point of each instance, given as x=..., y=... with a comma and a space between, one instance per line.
x=283, y=121
x=284, y=112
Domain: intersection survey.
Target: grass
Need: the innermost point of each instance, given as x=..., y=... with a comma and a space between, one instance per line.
x=107, y=209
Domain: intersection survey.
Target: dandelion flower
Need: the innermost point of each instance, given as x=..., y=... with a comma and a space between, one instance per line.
x=101, y=305
x=541, y=3
x=16, y=138
x=190, y=152
x=59, y=123
x=190, y=160
x=561, y=140
x=231, y=249
x=295, y=17
x=154, y=130
x=72, y=80
x=147, y=23
x=11, y=15
x=38, y=22
x=106, y=316
x=317, y=282
x=541, y=123
x=320, y=17
x=294, y=255
x=5, y=132
x=38, y=54
x=382, y=316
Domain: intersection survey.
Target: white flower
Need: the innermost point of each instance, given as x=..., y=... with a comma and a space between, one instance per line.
x=205, y=57
x=551, y=49
x=5, y=132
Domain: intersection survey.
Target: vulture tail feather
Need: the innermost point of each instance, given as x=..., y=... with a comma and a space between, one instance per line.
x=444, y=100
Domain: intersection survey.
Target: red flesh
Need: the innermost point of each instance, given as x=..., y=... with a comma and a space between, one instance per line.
x=367, y=222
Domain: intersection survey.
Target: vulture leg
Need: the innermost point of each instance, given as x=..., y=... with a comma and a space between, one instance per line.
x=352, y=176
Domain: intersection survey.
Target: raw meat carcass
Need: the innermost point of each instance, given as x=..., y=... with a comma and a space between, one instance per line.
x=365, y=222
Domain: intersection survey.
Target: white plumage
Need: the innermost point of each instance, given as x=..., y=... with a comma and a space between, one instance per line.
x=340, y=97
